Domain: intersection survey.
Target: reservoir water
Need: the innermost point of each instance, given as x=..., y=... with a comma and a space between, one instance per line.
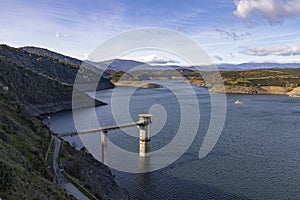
x=256, y=157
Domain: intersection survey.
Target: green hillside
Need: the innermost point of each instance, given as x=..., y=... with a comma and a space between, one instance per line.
x=36, y=84
x=23, y=144
x=263, y=77
x=45, y=84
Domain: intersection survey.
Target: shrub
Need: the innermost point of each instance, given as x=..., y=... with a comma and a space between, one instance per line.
x=6, y=176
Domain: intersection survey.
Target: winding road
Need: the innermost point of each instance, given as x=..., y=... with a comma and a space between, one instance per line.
x=60, y=179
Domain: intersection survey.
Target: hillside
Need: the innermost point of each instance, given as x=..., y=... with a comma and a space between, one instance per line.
x=51, y=54
x=54, y=65
x=30, y=86
x=23, y=144
x=121, y=65
x=24, y=172
x=42, y=83
x=261, y=81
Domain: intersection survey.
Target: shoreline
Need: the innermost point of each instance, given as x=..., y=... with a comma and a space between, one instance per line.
x=258, y=90
x=137, y=84
x=95, y=175
x=293, y=92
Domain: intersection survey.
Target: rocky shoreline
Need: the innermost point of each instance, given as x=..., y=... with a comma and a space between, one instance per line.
x=94, y=175
x=295, y=93
x=272, y=90
x=252, y=90
x=54, y=107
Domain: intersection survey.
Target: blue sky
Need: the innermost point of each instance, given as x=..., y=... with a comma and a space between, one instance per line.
x=230, y=31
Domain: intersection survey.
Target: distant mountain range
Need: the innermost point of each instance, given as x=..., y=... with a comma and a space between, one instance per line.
x=128, y=65
x=120, y=65
x=249, y=66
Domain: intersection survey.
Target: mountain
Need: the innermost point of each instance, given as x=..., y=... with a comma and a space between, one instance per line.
x=249, y=66
x=121, y=65
x=47, y=53
x=54, y=65
x=43, y=80
x=129, y=65
x=233, y=67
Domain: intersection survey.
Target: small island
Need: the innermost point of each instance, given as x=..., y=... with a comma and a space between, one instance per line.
x=138, y=84
x=123, y=79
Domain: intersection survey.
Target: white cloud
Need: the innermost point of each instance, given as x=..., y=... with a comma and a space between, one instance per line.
x=57, y=35
x=85, y=56
x=274, y=11
x=219, y=58
x=60, y=35
x=154, y=59
x=233, y=34
x=277, y=50
x=287, y=60
x=186, y=18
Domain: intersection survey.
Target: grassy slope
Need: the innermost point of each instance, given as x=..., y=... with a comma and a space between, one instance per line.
x=53, y=65
x=266, y=77
x=37, y=80
x=259, y=77
x=263, y=77
x=23, y=145
x=30, y=87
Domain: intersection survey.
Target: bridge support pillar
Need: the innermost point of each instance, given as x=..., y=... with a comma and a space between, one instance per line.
x=104, y=145
x=145, y=119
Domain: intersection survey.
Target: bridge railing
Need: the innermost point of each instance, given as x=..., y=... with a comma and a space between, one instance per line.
x=143, y=124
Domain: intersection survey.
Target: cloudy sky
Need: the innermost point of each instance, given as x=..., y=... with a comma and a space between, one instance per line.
x=230, y=31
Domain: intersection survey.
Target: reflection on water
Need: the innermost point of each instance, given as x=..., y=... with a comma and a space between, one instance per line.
x=143, y=178
x=256, y=157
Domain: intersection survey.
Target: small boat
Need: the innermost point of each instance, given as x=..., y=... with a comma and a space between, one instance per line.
x=238, y=102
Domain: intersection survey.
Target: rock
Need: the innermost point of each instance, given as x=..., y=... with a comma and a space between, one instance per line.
x=251, y=89
x=276, y=89
x=295, y=93
x=96, y=176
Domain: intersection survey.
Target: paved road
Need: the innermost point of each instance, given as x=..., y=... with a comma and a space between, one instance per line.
x=60, y=179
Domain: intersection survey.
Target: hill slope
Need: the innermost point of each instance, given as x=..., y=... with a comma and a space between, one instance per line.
x=23, y=145
x=45, y=84
x=54, y=65
x=261, y=81
x=42, y=85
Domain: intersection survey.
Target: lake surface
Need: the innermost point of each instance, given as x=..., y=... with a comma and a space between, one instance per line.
x=256, y=157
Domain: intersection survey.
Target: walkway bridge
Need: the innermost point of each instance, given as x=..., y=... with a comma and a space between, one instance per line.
x=143, y=124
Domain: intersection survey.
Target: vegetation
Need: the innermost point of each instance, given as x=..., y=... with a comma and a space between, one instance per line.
x=82, y=169
x=43, y=83
x=40, y=78
x=53, y=65
x=251, y=78
x=120, y=75
x=23, y=145
x=263, y=77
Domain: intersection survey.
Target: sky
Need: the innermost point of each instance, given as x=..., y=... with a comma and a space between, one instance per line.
x=230, y=31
